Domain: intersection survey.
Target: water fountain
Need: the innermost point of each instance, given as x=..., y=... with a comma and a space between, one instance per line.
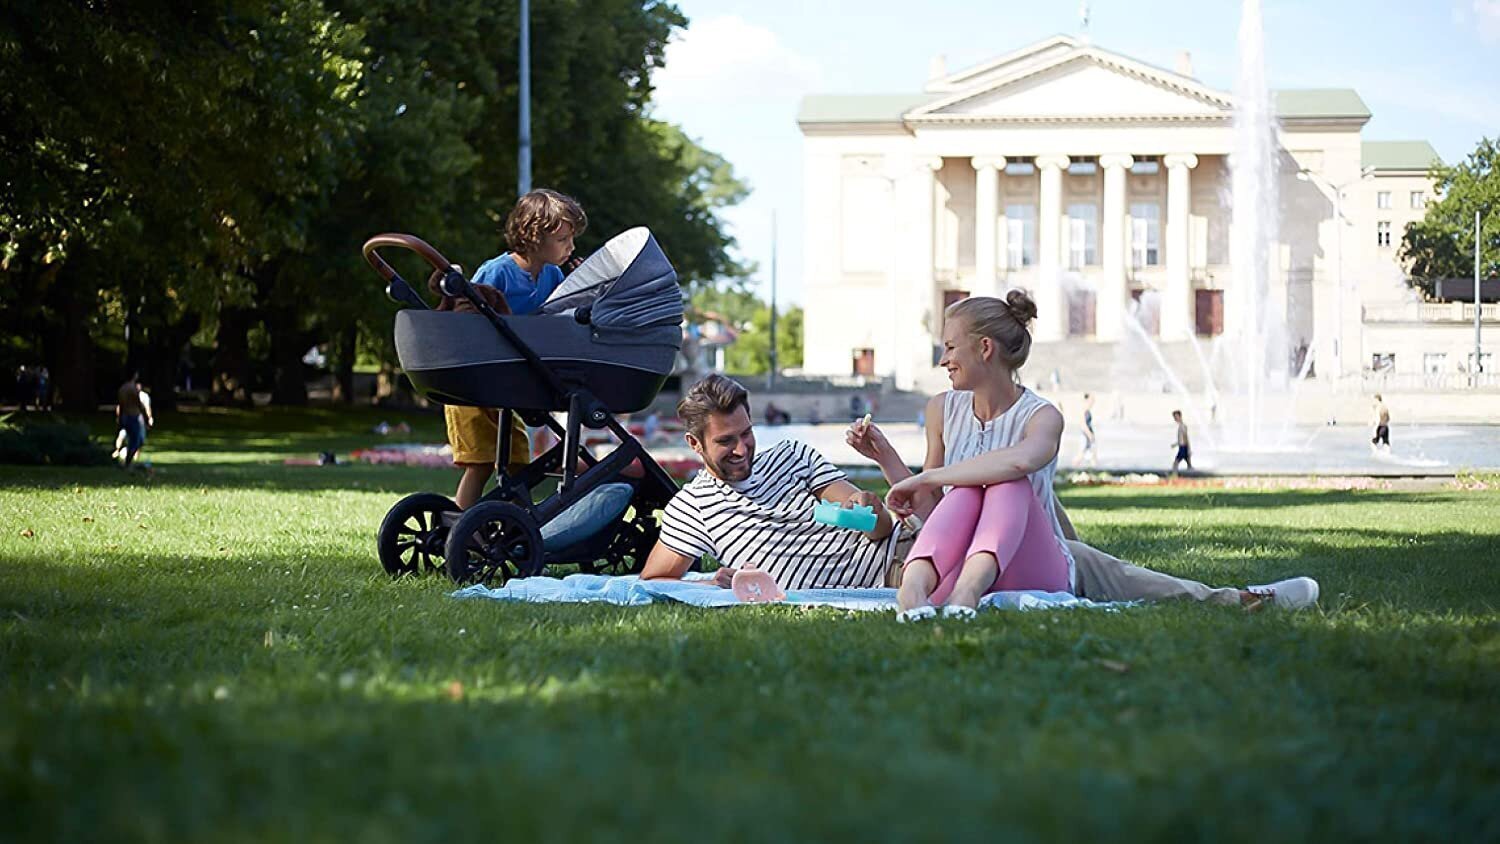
x=1257, y=340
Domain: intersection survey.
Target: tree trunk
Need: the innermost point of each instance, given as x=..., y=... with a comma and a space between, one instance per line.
x=161, y=350
x=343, y=387
x=74, y=375
x=231, y=382
x=288, y=343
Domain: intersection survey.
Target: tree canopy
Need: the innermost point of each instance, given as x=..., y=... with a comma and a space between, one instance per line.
x=184, y=187
x=1441, y=244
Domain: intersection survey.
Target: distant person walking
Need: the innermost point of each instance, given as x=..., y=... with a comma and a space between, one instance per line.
x=1183, y=444
x=1382, y=419
x=133, y=414
x=1090, y=447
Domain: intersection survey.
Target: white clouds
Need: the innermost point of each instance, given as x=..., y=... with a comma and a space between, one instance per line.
x=729, y=58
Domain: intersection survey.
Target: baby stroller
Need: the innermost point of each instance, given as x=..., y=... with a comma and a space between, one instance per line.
x=602, y=344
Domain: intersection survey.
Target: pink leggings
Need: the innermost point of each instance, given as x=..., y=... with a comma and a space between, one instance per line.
x=1003, y=519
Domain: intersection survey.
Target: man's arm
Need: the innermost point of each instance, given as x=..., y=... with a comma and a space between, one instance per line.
x=846, y=494
x=1063, y=520
x=665, y=564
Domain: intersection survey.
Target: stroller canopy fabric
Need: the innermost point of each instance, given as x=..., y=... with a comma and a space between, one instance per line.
x=631, y=290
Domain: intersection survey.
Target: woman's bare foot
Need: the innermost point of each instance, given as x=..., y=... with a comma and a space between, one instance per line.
x=963, y=598
x=917, y=583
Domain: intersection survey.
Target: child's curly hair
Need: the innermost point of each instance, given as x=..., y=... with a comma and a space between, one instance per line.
x=538, y=214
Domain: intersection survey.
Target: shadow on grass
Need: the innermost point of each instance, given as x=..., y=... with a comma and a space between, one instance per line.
x=394, y=480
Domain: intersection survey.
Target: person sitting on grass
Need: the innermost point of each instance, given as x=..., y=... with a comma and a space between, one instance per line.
x=729, y=512
x=540, y=231
x=992, y=445
x=749, y=508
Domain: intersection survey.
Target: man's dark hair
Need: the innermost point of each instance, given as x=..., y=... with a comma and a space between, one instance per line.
x=714, y=394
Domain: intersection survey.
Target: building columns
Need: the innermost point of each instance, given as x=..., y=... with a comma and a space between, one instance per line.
x=1177, y=299
x=1052, y=317
x=1109, y=323
x=916, y=311
x=986, y=218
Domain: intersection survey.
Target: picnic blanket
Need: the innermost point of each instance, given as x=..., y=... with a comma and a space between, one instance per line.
x=631, y=591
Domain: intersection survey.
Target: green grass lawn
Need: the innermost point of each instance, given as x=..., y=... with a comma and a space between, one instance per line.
x=212, y=653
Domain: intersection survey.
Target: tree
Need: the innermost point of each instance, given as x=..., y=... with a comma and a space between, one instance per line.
x=1441, y=244
x=750, y=316
x=173, y=170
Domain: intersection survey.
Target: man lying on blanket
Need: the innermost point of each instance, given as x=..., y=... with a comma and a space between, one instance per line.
x=756, y=509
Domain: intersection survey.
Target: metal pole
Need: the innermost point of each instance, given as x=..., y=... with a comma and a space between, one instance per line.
x=1478, y=359
x=771, y=379
x=523, y=157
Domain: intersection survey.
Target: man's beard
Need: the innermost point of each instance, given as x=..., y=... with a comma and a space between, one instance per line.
x=732, y=471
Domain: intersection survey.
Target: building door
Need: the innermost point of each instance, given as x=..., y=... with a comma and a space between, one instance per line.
x=864, y=362
x=1081, y=313
x=1208, y=307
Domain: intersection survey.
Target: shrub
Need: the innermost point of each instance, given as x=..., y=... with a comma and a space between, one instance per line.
x=31, y=441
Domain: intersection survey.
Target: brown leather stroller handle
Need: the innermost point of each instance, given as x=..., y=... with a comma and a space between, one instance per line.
x=405, y=241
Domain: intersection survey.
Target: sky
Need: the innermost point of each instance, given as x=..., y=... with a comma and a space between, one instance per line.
x=733, y=79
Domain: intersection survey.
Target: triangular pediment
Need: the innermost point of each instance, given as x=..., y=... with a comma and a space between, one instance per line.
x=1076, y=82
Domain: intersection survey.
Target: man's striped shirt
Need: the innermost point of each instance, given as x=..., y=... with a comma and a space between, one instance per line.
x=767, y=520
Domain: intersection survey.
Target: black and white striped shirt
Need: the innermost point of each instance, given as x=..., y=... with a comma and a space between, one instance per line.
x=767, y=520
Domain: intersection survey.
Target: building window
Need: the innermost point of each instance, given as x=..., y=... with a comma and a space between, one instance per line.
x=1020, y=167
x=1383, y=199
x=1146, y=165
x=1145, y=234
x=1383, y=362
x=1083, y=235
x=1020, y=236
x=1086, y=165
x=1383, y=234
x=1433, y=363
x=1418, y=199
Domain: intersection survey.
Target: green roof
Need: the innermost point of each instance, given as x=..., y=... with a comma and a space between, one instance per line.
x=858, y=108
x=1320, y=102
x=888, y=108
x=1399, y=155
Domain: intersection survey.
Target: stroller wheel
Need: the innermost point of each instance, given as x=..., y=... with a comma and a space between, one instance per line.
x=492, y=542
x=412, y=535
x=628, y=549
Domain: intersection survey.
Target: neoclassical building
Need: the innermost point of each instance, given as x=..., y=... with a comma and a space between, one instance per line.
x=1090, y=179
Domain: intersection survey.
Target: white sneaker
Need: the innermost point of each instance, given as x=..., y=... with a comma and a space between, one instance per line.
x=1296, y=593
x=958, y=612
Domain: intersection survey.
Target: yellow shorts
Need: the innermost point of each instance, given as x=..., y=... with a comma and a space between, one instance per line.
x=473, y=431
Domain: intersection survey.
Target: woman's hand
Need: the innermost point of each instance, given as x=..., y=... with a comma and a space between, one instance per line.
x=902, y=498
x=866, y=438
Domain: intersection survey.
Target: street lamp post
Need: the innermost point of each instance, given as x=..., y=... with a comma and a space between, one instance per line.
x=1339, y=222
x=523, y=155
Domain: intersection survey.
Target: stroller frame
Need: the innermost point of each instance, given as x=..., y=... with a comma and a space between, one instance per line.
x=500, y=536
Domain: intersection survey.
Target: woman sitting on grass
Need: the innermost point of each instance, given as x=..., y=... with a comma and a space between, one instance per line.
x=993, y=445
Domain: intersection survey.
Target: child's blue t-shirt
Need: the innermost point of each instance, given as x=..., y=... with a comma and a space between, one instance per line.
x=522, y=294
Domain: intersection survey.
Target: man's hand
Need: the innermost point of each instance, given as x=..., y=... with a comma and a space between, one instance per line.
x=865, y=498
x=724, y=577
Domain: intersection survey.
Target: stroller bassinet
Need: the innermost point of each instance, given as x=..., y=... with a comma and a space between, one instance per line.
x=603, y=343
x=613, y=326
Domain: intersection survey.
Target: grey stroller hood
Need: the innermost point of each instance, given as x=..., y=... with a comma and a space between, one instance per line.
x=630, y=289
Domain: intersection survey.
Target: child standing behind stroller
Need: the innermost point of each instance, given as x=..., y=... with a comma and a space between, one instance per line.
x=539, y=232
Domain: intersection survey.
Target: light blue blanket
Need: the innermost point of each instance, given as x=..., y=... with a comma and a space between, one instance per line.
x=631, y=591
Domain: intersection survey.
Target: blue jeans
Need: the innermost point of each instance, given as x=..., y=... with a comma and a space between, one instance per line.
x=135, y=431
